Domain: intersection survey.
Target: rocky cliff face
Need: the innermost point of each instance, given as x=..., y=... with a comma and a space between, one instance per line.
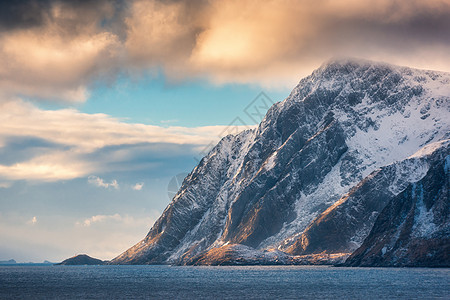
x=413, y=230
x=345, y=224
x=315, y=156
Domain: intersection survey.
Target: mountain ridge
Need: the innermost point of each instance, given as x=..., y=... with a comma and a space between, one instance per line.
x=262, y=188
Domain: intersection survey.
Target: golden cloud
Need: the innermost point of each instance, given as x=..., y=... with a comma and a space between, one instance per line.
x=272, y=44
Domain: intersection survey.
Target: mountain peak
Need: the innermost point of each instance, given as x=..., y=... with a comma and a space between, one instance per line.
x=353, y=61
x=328, y=140
x=353, y=65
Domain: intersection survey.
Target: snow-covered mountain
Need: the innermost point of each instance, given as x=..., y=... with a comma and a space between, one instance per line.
x=331, y=154
x=345, y=224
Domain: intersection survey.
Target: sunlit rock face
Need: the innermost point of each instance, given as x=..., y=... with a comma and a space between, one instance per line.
x=315, y=157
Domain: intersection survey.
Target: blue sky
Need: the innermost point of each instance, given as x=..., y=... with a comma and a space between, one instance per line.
x=103, y=102
x=125, y=194
x=190, y=104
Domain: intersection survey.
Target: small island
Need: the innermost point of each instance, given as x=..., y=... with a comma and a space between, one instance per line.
x=8, y=262
x=81, y=259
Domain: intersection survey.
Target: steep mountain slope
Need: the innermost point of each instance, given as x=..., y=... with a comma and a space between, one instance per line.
x=414, y=228
x=345, y=224
x=263, y=187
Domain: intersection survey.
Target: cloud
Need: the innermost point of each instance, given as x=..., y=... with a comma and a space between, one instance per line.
x=282, y=40
x=118, y=219
x=54, y=49
x=59, y=67
x=29, y=14
x=157, y=32
x=22, y=14
x=101, y=218
x=5, y=185
x=19, y=148
x=169, y=121
x=57, y=49
x=44, y=145
x=99, y=182
x=138, y=186
x=32, y=221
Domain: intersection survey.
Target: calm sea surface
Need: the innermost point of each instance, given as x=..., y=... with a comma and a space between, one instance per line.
x=267, y=282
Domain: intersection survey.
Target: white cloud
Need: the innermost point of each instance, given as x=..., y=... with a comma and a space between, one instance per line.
x=97, y=181
x=169, y=121
x=100, y=218
x=76, y=141
x=5, y=185
x=32, y=221
x=115, y=218
x=56, y=165
x=138, y=186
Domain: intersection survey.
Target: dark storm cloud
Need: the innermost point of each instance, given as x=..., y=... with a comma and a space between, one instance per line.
x=23, y=14
x=54, y=49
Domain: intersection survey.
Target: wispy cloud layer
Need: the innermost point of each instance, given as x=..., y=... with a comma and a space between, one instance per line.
x=32, y=221
x=103, y=218
x=59, y=50
x=46, y=145
x=99, y=182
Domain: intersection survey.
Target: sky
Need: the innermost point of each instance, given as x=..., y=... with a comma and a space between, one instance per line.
x=103, y=103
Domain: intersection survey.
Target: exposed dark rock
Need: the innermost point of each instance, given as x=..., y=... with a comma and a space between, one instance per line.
x=82, y=259
x=344, y=225
x=414, y=228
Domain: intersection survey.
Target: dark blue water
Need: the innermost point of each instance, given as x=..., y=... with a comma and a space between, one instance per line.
x=166, y=282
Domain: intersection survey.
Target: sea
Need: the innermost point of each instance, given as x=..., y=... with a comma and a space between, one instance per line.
x=236, y=282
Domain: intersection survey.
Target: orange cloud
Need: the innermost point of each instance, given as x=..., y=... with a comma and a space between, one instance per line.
x=58, y=59
x=48, y=65
x=279, y=42
x=271, y=44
